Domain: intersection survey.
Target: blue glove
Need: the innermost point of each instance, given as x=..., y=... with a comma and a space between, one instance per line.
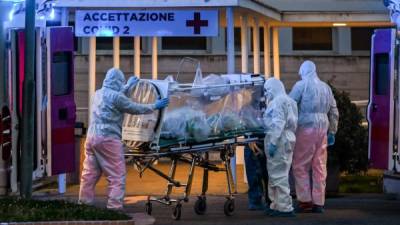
x=386, y=3
x=132, y=81
x=331, y=139
x=272, y=150
x=162, y=103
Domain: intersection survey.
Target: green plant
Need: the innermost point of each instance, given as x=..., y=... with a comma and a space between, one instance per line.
x=22, y=210
x=350, y=151
x=360, y=184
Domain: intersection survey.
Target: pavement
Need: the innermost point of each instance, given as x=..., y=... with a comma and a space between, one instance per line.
x=352, y=209
x=368, y=209
x=150, y=183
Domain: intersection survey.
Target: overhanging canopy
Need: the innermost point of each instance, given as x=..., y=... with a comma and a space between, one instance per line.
x=279, y=12
x=255, y=6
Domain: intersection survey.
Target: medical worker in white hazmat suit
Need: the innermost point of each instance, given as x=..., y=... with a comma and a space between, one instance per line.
x=104, y=151
x=280, y=120
x=318, y=124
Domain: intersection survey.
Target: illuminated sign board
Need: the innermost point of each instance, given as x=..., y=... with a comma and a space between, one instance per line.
x=110, y=23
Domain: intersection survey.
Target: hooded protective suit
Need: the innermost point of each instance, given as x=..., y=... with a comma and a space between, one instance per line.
x=280, y=120
x=394, y=8
x=103, y=149
x=318, y=115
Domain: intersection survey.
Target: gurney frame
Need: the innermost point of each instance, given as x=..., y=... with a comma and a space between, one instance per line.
x=195, y=156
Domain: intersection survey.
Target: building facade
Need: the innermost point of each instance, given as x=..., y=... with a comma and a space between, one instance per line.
x=341, y=51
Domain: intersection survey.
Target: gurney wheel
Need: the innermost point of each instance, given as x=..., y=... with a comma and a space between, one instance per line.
x=229, y=207
x=200, y=206
x=149, y=208
x=177, y=213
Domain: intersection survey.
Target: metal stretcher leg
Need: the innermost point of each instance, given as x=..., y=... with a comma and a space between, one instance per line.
x=176, y=214
x=171, y=174
x=167, y=177
x=200, y=206
x=190, y=179
x=171, y=183
x=229, y=206
x=204, y=188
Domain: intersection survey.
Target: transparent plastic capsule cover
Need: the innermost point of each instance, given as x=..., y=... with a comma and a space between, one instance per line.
x=196, y=114
x=139, y=129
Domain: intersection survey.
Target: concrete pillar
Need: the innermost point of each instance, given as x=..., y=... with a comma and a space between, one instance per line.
x=244, y=46
x=244, y=36
x=116, y=52
x=267, y=50
x=230, y=23
x=230, y=27
x=137, y=56
x=92, y=72
x=256, y=47
x=275, y=40
x=154, y=58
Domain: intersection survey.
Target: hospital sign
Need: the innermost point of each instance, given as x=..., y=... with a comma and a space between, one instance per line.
x=110, y=23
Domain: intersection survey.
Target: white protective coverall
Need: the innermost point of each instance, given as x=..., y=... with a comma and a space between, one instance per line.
x=280, y=120
x=103, y=148
x=318, y=115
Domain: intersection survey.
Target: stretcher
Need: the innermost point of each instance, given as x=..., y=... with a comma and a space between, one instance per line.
x=202, y=119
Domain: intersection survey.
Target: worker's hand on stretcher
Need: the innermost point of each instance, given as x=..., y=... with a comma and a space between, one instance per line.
x=130, y=84
x=254, y=147
x=132, y=81
x=161, y=103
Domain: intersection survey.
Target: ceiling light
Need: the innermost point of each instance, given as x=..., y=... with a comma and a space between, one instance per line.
x=339, y=24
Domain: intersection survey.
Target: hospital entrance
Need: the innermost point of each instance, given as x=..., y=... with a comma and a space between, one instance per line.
x=199, y=112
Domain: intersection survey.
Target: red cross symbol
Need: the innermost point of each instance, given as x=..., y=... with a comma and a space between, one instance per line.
x=197, y=23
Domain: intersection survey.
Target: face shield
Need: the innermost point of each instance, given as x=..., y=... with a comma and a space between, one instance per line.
x=268, y=96
x=272, y=88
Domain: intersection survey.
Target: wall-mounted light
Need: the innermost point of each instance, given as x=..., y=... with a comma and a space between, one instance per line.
x=339, y=24
x=52, y=14
x=17, y=8
x=12, y=12
x=46, y=11
x=11, y=15
x=105, y=32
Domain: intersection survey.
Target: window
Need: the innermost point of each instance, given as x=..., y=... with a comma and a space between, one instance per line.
x=261, y=39
x=312, y=39
x=184, y=43
x=127, y=43
x=361, y=38
x=381, y=73
x=106, y=43
x=61, y=70
x=237, y=36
